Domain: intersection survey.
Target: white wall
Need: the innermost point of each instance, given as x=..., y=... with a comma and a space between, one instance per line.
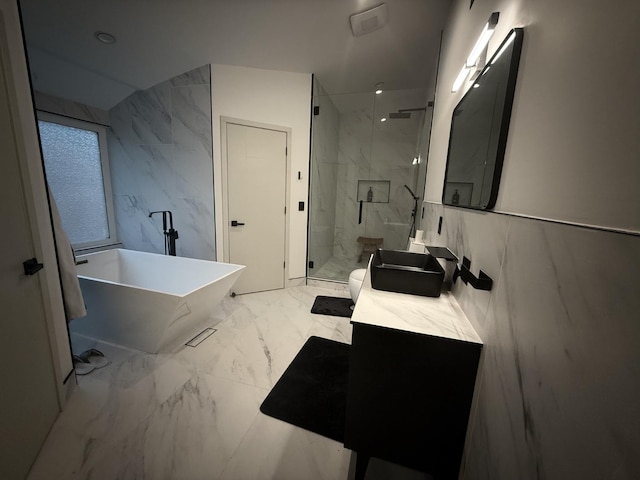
x=573, y=147
x=276, y=98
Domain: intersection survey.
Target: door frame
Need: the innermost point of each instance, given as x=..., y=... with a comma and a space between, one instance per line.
x=224, y=210
x=37, y=203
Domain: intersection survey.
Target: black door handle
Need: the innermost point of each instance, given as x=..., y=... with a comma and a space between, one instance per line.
x=31, y=266
x=235, y=223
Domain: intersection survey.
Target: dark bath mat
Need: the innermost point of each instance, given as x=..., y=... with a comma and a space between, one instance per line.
x=312, y=392
x=336, y=306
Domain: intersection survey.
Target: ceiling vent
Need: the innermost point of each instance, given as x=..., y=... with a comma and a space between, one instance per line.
x=369, y=21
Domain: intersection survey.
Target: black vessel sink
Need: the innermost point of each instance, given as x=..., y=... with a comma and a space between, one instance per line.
x=406, y=272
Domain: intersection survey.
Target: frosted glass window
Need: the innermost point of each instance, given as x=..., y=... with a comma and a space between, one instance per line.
x=74, y=167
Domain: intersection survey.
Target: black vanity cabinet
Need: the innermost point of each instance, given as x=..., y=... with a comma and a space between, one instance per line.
x=409, y=398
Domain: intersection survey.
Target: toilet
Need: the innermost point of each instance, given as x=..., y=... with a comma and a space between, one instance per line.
x=355, y=282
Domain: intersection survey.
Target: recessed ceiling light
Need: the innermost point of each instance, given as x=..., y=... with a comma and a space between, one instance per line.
x=105, y=37
x=383, y=119
x=379, y=88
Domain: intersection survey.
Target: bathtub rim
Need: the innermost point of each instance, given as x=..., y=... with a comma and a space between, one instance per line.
x=173, y=294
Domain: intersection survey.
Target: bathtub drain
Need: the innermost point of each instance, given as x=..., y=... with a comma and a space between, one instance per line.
x=201, y=337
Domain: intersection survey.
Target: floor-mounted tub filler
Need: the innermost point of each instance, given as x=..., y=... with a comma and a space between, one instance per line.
x=148, y=301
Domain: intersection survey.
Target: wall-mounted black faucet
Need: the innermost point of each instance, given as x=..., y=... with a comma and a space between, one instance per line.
x=170, y=235
x=481, y=282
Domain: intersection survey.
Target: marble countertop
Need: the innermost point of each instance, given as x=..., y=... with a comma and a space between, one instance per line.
x=438, y=317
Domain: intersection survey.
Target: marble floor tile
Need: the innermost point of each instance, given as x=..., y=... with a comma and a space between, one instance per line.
x=282, y=451
x=192, y=435
x=194, y=413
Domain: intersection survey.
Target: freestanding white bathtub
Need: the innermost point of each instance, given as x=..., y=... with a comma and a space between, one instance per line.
x=148, y=301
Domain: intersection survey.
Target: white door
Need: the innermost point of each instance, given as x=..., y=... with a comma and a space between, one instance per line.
x=256, y=200
x=28, y=401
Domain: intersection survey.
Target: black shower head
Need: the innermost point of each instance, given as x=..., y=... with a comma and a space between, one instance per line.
x=394, y=115
x=405, y=112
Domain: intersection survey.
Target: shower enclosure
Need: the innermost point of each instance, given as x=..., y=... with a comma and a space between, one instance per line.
x=368, y=165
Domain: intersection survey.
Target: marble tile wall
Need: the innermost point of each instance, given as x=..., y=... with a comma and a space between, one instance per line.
x=324, y=180
x=557, y=394
x=160, y=150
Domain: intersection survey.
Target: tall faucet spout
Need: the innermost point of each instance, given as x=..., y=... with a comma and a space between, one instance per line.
x=169, y=233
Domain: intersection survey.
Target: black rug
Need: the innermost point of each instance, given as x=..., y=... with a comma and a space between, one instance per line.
x=312, y=392
x=336, y=306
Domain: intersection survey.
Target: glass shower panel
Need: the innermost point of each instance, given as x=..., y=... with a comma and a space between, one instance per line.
x=359, y=169
x=394, y=158
x=340, y=157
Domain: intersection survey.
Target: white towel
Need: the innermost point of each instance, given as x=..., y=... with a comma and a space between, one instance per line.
x=71, y=294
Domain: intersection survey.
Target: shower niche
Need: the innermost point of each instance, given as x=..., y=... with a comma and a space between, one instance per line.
x=373, y=191
x=365, y=149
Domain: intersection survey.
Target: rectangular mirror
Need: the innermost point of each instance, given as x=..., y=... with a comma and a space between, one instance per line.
x=479, y=130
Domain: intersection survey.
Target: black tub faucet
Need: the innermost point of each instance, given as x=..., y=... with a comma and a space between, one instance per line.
x=170, y=235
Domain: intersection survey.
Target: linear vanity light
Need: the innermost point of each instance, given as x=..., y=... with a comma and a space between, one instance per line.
x=462, y=76
x=504, y=47
x=476, y=58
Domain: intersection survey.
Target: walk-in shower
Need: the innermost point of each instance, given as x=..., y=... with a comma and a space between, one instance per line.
x=367, y=151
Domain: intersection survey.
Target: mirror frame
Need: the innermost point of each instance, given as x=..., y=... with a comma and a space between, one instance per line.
x=504, y=123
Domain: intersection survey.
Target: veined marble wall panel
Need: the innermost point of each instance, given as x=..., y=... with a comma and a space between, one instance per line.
x=324, y=180
x=558, y=397
x=481, y=238
x=353, y=156
x=559, y=379
x=429, y=225
x=161, y=159
x=151, y=114
x=347, y=210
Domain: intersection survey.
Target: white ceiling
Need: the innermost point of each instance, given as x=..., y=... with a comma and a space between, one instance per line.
x=159, y=39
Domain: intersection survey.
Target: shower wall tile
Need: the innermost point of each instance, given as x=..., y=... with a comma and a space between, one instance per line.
x=558, y=395
x=373, y=152
x=161, y=159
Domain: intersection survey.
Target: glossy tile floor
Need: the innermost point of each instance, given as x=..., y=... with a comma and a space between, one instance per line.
x=193, y=414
